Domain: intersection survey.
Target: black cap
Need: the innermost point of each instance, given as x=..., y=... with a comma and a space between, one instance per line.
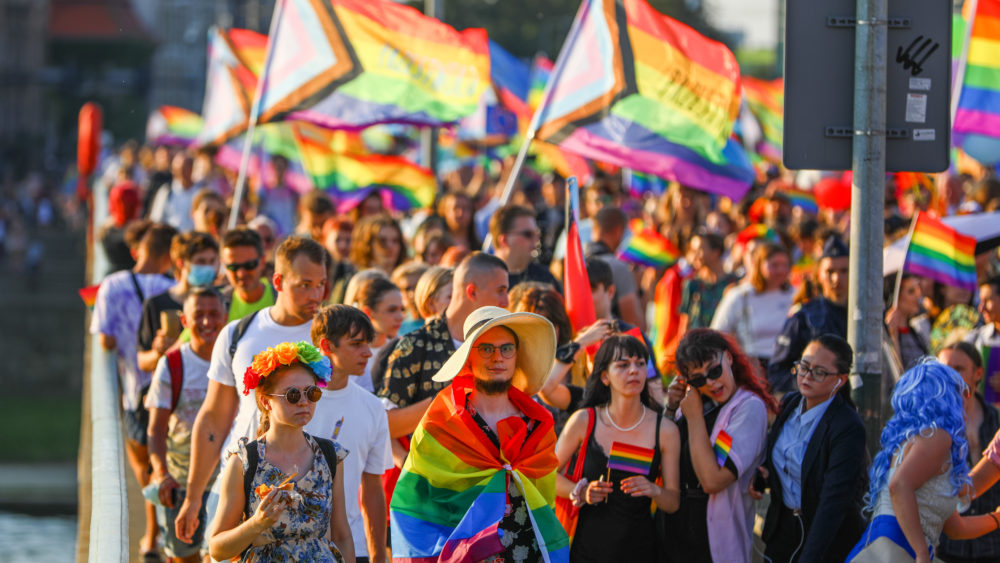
x=834, y=247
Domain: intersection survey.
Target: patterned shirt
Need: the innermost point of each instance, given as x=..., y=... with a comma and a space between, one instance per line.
x=415, y=360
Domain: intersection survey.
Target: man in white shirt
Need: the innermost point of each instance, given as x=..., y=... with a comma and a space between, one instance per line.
x=356, y=420
x=300, y=281
x=172, y=205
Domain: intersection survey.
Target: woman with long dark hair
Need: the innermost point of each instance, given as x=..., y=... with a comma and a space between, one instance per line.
x=625, y=446
x=723, y=429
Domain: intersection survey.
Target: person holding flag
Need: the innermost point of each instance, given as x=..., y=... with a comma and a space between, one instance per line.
x=614, y=492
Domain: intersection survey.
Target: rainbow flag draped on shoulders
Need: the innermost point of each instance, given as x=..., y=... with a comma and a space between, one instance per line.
x=638, y=89
x=939, y=252
x=452, y=493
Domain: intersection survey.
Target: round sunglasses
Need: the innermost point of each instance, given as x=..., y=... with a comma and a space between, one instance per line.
x=293, y=395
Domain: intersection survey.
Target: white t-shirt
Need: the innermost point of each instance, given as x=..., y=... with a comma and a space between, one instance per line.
x=365, y=435
x=117, y=313
x=173, y=206
x=262, y=333
x=194, y=385
x=755, y=319
x=365, y=380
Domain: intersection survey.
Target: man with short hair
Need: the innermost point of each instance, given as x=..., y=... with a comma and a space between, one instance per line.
x=173, y=205
x=609, y=232
x=480, y=280
x=173, y=411
x=243, y=263
x=484, y=432
x=116, y=317
x=195, y=259
x=301, y=285
x=314, y=209
x=356, y=419
x=986, y=336
x=825, y=314
x=516, y=235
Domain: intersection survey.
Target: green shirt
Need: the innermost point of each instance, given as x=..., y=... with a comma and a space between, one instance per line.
x=239, y=308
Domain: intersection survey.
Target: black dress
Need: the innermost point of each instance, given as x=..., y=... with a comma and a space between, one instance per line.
x=620, y=529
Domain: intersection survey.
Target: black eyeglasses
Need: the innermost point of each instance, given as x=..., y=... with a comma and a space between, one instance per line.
x=248, y=265
x=486, y=350
x=700, y=379
x=293, y=395
x=528, y=234
x=816, y=373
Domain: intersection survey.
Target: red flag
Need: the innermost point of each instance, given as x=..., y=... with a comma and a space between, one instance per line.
x=579, y=301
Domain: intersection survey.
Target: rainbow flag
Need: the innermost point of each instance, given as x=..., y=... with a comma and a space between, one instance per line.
x=757, y=231
x=639, y=89
x=806, y=201
x=541, y=70
x=352, y=63
x=979, y=103
x=452, y=492
x=723, y=443
x=638, y=183
x=235, y=58
x=766, y=100
x=512, y=80
x=334, y=161
x=648, y=247
x=629, y=458
x=89, y=295
x=171, y=125
x=939, y=252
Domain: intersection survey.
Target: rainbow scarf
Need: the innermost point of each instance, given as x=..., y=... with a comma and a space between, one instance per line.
x=638, y=89
x=451, y=495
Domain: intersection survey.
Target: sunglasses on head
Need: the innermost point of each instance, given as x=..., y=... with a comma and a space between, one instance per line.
x=700, y=379
x=486, y=350
x=248, y=265
x=293, y=395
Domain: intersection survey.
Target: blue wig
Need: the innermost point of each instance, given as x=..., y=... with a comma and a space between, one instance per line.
x=927, y=397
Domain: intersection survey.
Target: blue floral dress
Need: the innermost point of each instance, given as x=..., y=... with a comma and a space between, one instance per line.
x=300, y=532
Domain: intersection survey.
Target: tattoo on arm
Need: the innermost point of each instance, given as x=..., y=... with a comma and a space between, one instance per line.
x=211, y=437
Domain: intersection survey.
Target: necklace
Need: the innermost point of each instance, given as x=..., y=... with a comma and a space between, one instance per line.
x=607, y=413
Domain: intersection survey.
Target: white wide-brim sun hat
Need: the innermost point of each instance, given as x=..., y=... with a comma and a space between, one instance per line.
x=536, y=348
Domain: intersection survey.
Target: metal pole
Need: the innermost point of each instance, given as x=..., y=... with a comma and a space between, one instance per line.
x=864, y=303
x=429, y=135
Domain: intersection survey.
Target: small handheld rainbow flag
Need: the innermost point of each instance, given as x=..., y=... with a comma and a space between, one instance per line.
x=89, y=294
x=723, y=443
x=942, y=254
x=757, y=231
x=631, y=459
x=806, y=201
x=649, y=248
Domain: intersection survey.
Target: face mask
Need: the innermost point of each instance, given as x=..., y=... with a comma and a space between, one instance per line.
x=201, y=275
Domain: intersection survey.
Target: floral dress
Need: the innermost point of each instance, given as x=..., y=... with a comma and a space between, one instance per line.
x=300, y=532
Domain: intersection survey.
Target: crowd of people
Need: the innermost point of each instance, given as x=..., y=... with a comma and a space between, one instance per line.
x=325, y=383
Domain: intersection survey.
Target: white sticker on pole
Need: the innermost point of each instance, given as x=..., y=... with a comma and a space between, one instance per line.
x=920, y=83
x=916, y=108
x=923, y=134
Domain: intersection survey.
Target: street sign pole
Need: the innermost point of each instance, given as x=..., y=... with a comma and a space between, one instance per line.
x=429, y=135
x=864, y=303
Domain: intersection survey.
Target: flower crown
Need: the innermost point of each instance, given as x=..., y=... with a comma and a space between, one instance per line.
x=286, y=354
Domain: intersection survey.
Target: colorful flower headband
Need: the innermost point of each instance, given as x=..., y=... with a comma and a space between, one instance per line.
x=286, y=354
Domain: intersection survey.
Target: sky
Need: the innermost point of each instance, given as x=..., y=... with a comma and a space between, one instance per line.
x=756, y=19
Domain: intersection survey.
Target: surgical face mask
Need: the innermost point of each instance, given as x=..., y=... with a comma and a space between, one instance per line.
x=201, y=274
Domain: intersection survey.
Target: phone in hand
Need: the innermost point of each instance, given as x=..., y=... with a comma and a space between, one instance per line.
x=170, y=323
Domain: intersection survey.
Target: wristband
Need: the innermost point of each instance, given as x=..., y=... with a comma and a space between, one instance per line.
x=574, y=495
x=995, y=520
x=566, y=353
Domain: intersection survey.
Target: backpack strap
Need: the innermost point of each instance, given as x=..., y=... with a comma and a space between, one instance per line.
x=239, y=331
x=138, y=288
x=253, y=458
x=329, y=452
x=175, y=364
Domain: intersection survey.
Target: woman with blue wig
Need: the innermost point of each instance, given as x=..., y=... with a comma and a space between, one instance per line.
x=920, y=478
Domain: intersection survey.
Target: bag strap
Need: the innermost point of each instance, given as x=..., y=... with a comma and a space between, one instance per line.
x=329, y=453
x=239, y=331
x=577, y=471
x=175, y=364
x=138, y=288
x=253, y=458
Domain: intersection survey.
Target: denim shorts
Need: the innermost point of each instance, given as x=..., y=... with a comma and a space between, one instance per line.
x=172, y=546
x=136, y=421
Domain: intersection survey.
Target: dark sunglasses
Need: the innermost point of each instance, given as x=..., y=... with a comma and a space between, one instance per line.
x=248, y=265
x=486, y=350
x=528, y=234
x=698, y=380
x=293, y=395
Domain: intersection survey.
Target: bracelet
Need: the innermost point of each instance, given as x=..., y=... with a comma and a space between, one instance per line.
x=995, y=520
x=574, y=495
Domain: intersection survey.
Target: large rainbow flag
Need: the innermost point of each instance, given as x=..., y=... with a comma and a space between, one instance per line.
x=939, y=252
x=979, y=103
x=353, y=63
x=766, y=100
x=452, y=493
x=172, y=125
x=336, y=161
x=638, y=89
x=235, y=58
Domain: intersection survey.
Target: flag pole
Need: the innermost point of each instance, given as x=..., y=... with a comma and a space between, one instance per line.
x=902, y=266
x=241, y=178
x=956, y=87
